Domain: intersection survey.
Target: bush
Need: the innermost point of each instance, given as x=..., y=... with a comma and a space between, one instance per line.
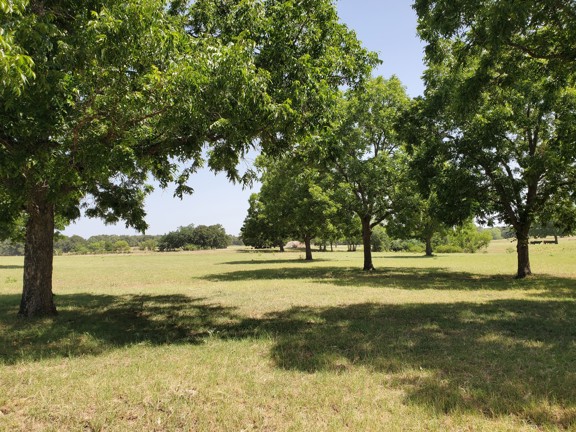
x=411, y=245
x=8, y=248
x=121, y=246
x=150, y=245
x=468, y=238
x=380, y=239
x=449, y=248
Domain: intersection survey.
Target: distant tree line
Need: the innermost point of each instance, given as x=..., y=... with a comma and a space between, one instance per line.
x=184, y=238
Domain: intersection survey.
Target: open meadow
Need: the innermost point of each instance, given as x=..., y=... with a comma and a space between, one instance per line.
x=241, y=340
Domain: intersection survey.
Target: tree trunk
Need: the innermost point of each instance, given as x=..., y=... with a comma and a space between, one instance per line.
x=366, y=242
x=307, y=242
x=37, y=298
x=281, y=246
x=523, y=255
x=428, y=247
x=555, y=239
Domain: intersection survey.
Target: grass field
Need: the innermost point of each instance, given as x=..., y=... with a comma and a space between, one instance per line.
x=244, y=340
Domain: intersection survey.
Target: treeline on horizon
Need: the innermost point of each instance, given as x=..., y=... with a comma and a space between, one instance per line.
x=201, y=237
x=184, y=238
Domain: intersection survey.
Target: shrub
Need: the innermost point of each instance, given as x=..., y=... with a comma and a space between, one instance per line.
x=449, y=248
x=121, y=246
x=380, y=239
x=410, y=245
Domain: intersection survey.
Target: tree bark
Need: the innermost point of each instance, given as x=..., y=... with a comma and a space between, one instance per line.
x=428, y=247
x=366, y=242
x=37, y=298
x=307, y=242
x=281, y=246
x=523, y=255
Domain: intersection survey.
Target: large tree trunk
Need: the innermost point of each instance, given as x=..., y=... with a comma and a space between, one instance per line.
x=523, y=254
x=37, y=298
x=428, y=247
x=366, y=242
x=307, y=242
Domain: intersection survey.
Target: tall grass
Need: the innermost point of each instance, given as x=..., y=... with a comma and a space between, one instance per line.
x=244, y=340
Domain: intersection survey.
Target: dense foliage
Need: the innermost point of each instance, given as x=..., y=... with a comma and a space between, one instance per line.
x=191, y=237
x=122, y=90
x=364, y=154
x=500, y=89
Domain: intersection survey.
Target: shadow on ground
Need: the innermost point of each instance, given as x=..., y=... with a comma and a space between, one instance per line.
x=499, y=358
x=410, y=278
x=89, y=324
x=496, y=359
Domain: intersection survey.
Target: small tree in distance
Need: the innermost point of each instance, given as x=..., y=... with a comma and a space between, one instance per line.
x=201, y=237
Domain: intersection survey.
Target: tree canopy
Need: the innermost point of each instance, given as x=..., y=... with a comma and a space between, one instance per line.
x=122, y=90
x=364, y=153
x=296, y=199
x=507, y=124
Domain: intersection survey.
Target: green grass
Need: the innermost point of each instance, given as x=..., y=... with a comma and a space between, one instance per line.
x=236, y=340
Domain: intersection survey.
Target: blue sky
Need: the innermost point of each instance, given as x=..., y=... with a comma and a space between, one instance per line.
x=385, y=26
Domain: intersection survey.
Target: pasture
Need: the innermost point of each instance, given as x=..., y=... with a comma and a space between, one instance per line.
x=242, y=340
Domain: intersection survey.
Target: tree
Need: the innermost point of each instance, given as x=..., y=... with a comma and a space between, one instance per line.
x=258, y=231
x=210, y=237
x=540, y=231
x=416, y=219
x=176, y=239
x=508, y=127
x=365, y=155
x=348, y=225
x=127, y=89
x=295, y=200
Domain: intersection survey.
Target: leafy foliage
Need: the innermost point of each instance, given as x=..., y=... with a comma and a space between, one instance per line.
x=380, y=239
x=296, y=199
x=506, y=109
x=258, y=230
x=464, y=238
x=122, y=90
x=16, y=68
x=364, y=154
x=201, y=237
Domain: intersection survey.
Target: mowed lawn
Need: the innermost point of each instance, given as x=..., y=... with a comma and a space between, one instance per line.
x=243, y=340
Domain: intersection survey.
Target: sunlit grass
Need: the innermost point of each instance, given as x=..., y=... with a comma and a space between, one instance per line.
x=240, y=340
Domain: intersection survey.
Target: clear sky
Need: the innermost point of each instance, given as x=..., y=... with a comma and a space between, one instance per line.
x=385, y=26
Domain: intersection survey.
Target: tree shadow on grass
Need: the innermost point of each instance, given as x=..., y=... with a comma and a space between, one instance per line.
x=499, y=358
x=410, y=278
x=89, y=324
x=11, y=267
x=288, y=261
x=496, y=359
x=414, y=256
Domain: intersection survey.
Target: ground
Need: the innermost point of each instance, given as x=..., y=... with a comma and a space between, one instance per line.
x=252, y=340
